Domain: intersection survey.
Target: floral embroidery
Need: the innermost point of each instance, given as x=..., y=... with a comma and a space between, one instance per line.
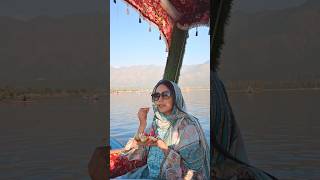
x=152, y=10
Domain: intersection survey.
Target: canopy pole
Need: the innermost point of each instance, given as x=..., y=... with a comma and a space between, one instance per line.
x=175, y=55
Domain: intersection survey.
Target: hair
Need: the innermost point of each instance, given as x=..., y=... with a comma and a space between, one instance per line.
x=169, y=85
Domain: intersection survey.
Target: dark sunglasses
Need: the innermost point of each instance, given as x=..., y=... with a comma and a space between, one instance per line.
x=164, y=95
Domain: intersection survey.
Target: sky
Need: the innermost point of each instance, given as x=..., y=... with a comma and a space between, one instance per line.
x=132, y=44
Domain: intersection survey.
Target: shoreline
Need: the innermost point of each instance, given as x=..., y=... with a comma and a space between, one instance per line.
x=259, y=91
x=95, y=95
x=229, y=91
x=114, y=91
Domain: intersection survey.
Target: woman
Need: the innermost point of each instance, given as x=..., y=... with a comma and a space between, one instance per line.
x=181, y=150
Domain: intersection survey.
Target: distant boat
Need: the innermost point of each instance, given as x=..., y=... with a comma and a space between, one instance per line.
x=250, y=90
x=21, y=101
x=95, y=97
x=24, y=99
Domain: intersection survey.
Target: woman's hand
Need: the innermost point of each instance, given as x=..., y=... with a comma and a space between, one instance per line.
x=163, y=146
x=160, y=143
x=134, y=144
x=142, y=116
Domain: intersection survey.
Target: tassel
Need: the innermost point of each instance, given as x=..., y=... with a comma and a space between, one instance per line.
x=115, y=1
x=160, y=37
x=128, y=11
x=139, y=19
x=196, y=31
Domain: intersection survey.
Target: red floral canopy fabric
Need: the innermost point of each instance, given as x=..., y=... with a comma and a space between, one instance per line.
x=166, y=13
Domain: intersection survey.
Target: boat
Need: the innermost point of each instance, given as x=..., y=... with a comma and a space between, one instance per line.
x=114, y=144
x=250, y=90
x=174, y=30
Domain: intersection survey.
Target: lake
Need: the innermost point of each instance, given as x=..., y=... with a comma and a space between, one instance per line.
x=50, y=138
x=54, y=138
x=124, y=108
x=280, y=129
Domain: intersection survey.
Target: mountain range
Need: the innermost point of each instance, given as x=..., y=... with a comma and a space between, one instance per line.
x=71, y=51
x=27, y=9
x=137, y=77
x=68, y=52
x=273, y=45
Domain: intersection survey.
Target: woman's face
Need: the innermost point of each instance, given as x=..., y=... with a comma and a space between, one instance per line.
x=164, y=104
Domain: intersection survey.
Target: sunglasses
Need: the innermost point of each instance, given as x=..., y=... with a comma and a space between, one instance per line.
x=164, y=95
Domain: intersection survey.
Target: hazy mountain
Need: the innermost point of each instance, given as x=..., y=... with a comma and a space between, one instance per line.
x=23, y=9
x=70, y=51
x=135, y=76
x=147, y=76
x=54, y=52
x=273, y=45
x=31, y=8
x=262, y=5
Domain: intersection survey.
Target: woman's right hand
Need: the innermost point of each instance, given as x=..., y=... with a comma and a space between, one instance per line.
x=142, y=115
x=134, y=144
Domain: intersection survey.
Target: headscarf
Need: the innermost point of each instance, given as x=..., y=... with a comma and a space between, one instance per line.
x=178, y=114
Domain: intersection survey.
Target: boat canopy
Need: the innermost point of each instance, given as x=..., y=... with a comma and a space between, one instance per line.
x=173, y=18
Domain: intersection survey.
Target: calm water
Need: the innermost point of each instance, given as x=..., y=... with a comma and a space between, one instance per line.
x=125, y=106
x=280, y=129
x=54, y=138
x=281, y=132
x=50, y=139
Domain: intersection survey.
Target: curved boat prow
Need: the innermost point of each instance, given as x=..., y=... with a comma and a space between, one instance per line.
x=114, y=144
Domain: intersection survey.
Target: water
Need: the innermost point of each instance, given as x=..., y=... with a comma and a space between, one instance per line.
x=54, y=138
x=124, y=109
x=280, y=129
x=50, y=138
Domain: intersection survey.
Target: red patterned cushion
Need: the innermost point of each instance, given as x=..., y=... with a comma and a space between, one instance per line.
x=120, y=164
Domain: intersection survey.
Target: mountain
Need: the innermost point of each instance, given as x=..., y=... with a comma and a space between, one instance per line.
x=44, y=51
x=137, y=77
x=70, y=51
x=274, y=44
x=262, y=5
x=32, y=8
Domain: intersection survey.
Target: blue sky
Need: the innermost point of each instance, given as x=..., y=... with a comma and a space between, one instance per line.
x=132, y=44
